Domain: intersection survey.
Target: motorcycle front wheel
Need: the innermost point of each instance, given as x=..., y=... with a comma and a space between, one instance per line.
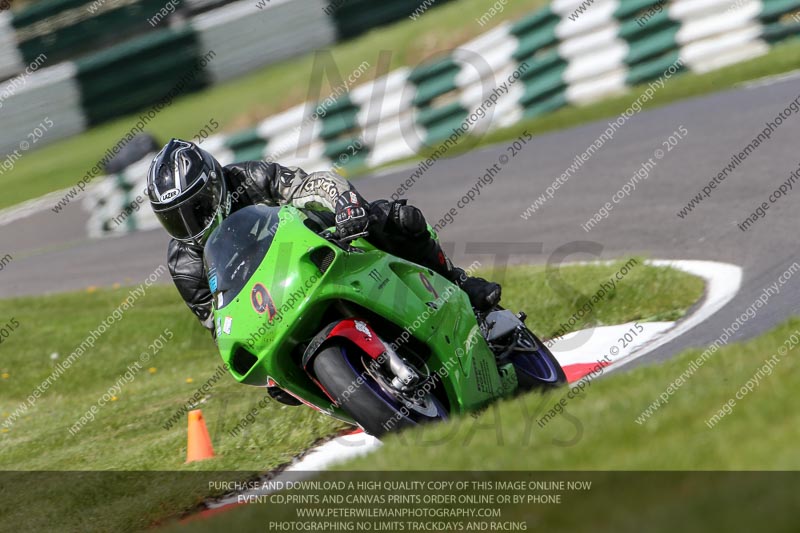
x=341, y=369
x=535, y=364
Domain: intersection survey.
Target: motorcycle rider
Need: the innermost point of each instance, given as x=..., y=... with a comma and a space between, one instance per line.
x=190, y=192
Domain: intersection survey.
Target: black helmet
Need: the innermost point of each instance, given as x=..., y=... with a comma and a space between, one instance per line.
x=187, y=191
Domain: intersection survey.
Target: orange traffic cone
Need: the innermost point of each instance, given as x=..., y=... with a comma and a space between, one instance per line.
x=199, y=443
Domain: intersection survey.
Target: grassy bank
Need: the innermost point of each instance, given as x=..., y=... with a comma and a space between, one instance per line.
x=606, y=430
x=719, y=456
x=128, y=432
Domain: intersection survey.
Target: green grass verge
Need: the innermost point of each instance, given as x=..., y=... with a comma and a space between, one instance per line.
x=40, y=440
x=602, y=430
x=128, y=434
x=245, y=101
x=600, y=437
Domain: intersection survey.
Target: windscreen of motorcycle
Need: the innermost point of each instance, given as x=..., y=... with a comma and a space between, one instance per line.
x=236, y=248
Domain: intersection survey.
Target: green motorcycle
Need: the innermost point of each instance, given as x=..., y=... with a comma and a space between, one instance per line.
x=357, y=333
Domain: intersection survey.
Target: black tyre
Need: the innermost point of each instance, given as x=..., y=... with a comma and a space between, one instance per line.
x=341, y=370
x=537, y=368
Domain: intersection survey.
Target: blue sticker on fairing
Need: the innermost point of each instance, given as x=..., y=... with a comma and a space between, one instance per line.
x=212, y=283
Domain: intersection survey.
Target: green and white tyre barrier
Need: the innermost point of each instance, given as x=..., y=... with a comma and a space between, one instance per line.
x=612, y=44
x=112, y=204
x=553, y=61
x=486, y=62
x=710, y=40
x=11, y=62
x=387, y=118
x=293, y=137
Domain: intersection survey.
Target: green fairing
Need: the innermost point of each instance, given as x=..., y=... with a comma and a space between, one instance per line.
x=303, y=301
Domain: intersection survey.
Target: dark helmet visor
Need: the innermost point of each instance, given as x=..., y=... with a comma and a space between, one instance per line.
x=189, y=220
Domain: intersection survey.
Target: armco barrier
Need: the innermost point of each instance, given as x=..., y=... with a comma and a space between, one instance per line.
x=243, y=35
x=246, y=38
x=354, y=17
x=123, y=79
x=51, y=93
x=11, y=62
x=67, y=29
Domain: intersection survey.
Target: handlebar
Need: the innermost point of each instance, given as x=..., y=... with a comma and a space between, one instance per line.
x=343, y=243
x=351, y=238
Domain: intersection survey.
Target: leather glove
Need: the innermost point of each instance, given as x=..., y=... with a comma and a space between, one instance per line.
x=352, y=215
x=407, y=219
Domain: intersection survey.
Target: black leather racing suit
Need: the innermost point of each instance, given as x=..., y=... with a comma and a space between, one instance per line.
x=259, y=182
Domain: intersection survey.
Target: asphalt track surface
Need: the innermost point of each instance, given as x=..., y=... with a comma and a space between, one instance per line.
x=52, y=254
